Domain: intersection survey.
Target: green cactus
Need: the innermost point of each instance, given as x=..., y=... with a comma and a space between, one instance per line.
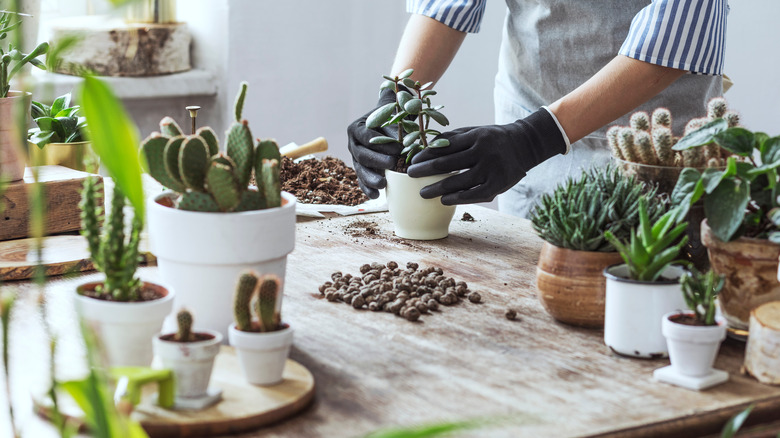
x=626, y=144
x=663, y=142
x=242, y=310
x=640, y=121
x=662, y=117
x=716, y=108
x=267, y=296
x=184, y=322
x=732, y=117
x=205, y=179
x=644, y=147
x=612, y=141
x=111, y=251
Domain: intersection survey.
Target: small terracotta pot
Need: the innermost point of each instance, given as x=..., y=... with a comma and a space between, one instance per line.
x=750, y=267
x=11, y=149
x=571, y=284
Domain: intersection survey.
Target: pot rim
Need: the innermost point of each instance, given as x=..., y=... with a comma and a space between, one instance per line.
x=560, y=248
x=719, y=320
x=59, y=144
x=286, y=196
x=741, y=239
x=216, y=339
x=17, y=94
x=613, y=277
x=167, y=297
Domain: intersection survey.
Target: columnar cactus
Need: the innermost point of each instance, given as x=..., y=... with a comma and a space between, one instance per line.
x=208, y=180
x=265, y=303
x=184, y=322
x=242, y=310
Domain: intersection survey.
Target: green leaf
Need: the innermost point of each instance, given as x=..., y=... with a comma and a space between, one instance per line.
x=382, y=139
x=396, y=118
x=770, y=152
x=403, y=97
x=735, y=423
x=45, y=123
x=42, y=138
x=725, y=207
x=38, y=110
x=701, y=136
x=406, y=73
x=439, y=143
x=67, y=125
x=409, y=126
x=413, y=106
x=426, y=85
x=428, y=93
x=114, y=138
x=387, y=84
x=439, y=117
x=711, y=178
x=737, y=140
x=60, y=103
x=408, y=82
x=380, y=116
x=411, y=138
x=410, y=148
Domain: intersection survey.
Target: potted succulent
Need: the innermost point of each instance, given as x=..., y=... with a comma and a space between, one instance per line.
x=644, y=288
x=263, y=344
x=124, y=311
x=11, y=61
x=413, y=217
x=739, y=202
x=694, y=336
x=572, y=220
x=190, y=354
x=59, y=137
x=213, y=225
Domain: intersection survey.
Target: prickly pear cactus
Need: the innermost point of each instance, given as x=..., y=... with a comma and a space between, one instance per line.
x=242, y=310
x=207, y=180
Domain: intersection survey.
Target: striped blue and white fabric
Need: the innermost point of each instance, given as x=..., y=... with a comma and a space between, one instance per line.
x=684, y=34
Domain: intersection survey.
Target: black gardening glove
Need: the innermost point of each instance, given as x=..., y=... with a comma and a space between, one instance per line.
x=494, y=157
x=371, y=160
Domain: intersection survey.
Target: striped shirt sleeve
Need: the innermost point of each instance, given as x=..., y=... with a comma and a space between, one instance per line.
x=462, y=15
x=683, y=34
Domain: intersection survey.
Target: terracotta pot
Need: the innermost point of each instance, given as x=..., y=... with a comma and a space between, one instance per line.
x=750, y=267
x=11, y=149
x=571, y=284
x=414, y=217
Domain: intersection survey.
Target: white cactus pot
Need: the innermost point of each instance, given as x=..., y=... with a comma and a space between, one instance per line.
x=125, y=329
x=414, y=217
x=692, y=349
x=262, y=355
x=201, y=255
x=634, y=310
x=191, y=362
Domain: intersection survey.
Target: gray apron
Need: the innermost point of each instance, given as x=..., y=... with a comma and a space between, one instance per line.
x=549, y=48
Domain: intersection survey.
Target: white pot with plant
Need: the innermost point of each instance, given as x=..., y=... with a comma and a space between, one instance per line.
x=262, y=344
x=13, y=103
x=646, y=287
x=59, y=137
x=213, y=225
x=190, y=354
x=413, y=216
x=124, y=311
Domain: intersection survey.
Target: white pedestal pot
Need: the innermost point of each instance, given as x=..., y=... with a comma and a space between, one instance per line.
x=191, y=362
x=634, y=309
x=201, y=255
x=262, y=355
x=125, y=329
x=692, y=349
x=414, y=217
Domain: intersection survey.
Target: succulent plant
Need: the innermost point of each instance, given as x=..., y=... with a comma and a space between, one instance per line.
x=208, y=180
x=184, y=323
x=265, y=303
x=57, y=123
x=576, y=215
x=411, y=112
x=12, y=59
x=700, y=290
x=111, y=251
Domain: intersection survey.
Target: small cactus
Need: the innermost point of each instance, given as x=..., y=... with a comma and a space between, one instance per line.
x=265, y=304
x=184, y=322
x=716, y=108
x=663, y=142
x=662, y=117
x=612, y=140
x=640, y=121
x=242, y=310
x=186, y=165
x=644, y=147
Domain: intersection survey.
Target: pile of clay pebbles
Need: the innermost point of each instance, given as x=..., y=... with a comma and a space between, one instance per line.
x=408, y=293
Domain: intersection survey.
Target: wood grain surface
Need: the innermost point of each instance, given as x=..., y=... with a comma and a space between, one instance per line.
x=533, y=377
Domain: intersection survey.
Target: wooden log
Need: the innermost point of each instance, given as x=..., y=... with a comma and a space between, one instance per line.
x=762, y=355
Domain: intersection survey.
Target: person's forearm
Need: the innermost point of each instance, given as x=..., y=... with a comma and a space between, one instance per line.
x=428, y=47
x=616, y=89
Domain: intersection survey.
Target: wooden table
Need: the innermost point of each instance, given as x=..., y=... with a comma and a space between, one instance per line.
x=375, y=370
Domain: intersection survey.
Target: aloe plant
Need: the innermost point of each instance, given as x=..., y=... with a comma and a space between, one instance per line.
x=11, y=58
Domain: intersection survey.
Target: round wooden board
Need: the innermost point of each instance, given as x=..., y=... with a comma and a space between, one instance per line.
x=243, y=407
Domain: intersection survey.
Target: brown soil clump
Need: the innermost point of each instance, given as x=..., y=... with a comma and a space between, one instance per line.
x=321, y=181
x=467, y=217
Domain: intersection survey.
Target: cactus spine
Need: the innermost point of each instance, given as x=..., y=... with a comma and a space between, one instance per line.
x=265, y=304
x=186, y=165
x=184, y=322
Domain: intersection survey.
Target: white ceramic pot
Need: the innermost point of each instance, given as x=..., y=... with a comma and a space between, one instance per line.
x=634, y=310
x=414, y=217
x=124, y=329
x=201, y=255
x=262, y=355
x=692, y=349
x=12, y=156
x=191, y=362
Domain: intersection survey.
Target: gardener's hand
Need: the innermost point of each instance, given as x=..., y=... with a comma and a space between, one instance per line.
x=492, y=158
x=371, y=160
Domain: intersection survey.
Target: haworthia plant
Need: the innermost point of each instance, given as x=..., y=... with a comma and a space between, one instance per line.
x=208, y=180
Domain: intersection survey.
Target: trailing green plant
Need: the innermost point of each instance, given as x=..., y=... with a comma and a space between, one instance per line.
x=411, y=112
x=112, y=253
x=700, y=290
x=184, y=324
x=578, y=212
x=57, y=123
x=267, y=287
x=11, y=58
x=738, y=200
x=652, y=246
x=207, y=180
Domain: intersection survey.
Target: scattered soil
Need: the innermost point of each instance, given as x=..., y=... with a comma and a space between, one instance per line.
x=198, y=338
x=148, y=292
x=511, y=314
x=370, y=230
x=686, y=319
x=467, y=217
x=326, y=181
x=409, y=293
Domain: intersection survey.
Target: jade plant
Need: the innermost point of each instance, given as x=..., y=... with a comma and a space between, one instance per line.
x=113, y=253
x=652, y=246
x=267, y=287
x=11, y=58
x=57, y=123
x=578, y=212
x=207, y=180
x=700, y=290
x=412, y=113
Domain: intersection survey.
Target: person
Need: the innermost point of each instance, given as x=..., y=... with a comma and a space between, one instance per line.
x=566, y=71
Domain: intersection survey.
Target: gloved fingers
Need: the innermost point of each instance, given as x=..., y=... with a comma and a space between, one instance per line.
x=381, y=156
x=453, y=184
x=441, y=164
x=472, y=196
x=371, y=192
x=370, y=180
